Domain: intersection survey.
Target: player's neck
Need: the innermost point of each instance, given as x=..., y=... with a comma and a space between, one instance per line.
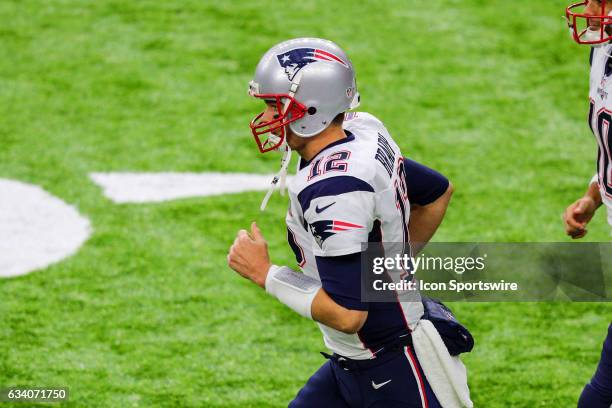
x=321, y=141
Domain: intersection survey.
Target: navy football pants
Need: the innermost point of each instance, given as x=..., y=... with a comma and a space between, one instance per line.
x=396, y=382
x=598, y=393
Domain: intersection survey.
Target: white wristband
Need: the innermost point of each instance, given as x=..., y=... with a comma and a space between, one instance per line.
x=594, y=179
x=292, y=288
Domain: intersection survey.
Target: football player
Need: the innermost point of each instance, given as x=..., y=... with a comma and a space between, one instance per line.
x=590, y=23
x=352, y=186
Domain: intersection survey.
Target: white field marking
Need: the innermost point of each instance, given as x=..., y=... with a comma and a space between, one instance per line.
x=158, y=187
x=36, y=228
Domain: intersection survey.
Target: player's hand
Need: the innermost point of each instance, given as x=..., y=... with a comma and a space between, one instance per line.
x=578, y=215
x=249, y=255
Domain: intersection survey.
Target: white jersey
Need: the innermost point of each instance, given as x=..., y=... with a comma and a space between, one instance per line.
x=600, y=119
x=353, y=192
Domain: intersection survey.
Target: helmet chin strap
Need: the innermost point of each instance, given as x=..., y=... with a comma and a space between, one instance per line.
x=280, y=176
x=593, y=35
x=286, y=159
x=604, y=46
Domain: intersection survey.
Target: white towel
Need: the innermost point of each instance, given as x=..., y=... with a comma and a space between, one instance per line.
x=446, y=374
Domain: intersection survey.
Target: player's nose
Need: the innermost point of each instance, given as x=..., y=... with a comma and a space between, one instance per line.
x=592, y=9
x=269, y=115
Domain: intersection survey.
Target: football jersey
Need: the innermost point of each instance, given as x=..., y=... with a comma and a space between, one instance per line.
x=600, y=119
x=353, y=192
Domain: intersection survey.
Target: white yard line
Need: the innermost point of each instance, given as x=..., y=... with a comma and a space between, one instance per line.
x=157, y=187
x=36, y=228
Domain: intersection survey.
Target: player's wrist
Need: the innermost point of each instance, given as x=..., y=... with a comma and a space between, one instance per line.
x=260, y=278
x=294, y=289
x=593, y=198
x=593, y=193
x=269, y=275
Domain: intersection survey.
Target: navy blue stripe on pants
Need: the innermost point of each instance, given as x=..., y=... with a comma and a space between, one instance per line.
x=397, y=382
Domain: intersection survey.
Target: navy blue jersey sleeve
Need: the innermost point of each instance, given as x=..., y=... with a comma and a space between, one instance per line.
x=424, y=184
x=341, y=279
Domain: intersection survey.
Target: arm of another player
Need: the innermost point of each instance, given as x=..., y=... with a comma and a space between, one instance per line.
x=429, y=193
x=580, y=212
x=249, y=257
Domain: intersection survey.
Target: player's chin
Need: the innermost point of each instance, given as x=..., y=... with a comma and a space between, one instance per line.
x=596, y=28
x=294, y=141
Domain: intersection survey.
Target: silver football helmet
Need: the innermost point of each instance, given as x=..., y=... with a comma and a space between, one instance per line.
x=311, y=80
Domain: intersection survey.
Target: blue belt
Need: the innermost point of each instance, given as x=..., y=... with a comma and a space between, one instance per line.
x=381, y=356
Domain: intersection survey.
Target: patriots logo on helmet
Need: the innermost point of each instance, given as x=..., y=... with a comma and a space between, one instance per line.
x=321, y=230
x=297, y=58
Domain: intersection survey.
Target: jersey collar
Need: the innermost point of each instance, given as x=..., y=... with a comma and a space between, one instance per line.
x=349, y=138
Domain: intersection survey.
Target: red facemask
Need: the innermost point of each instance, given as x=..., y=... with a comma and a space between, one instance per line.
x=578, y=23
x=293, y=112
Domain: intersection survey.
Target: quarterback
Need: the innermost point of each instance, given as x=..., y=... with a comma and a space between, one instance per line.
x=352, y=186
x=590, y=23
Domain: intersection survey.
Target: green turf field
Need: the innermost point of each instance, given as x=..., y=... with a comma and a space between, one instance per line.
x=491, y=93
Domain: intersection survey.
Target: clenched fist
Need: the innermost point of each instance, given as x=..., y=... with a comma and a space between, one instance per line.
x=248, y=255
x=578, y=215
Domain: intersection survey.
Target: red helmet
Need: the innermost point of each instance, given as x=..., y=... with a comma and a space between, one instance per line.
x=580, y=24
